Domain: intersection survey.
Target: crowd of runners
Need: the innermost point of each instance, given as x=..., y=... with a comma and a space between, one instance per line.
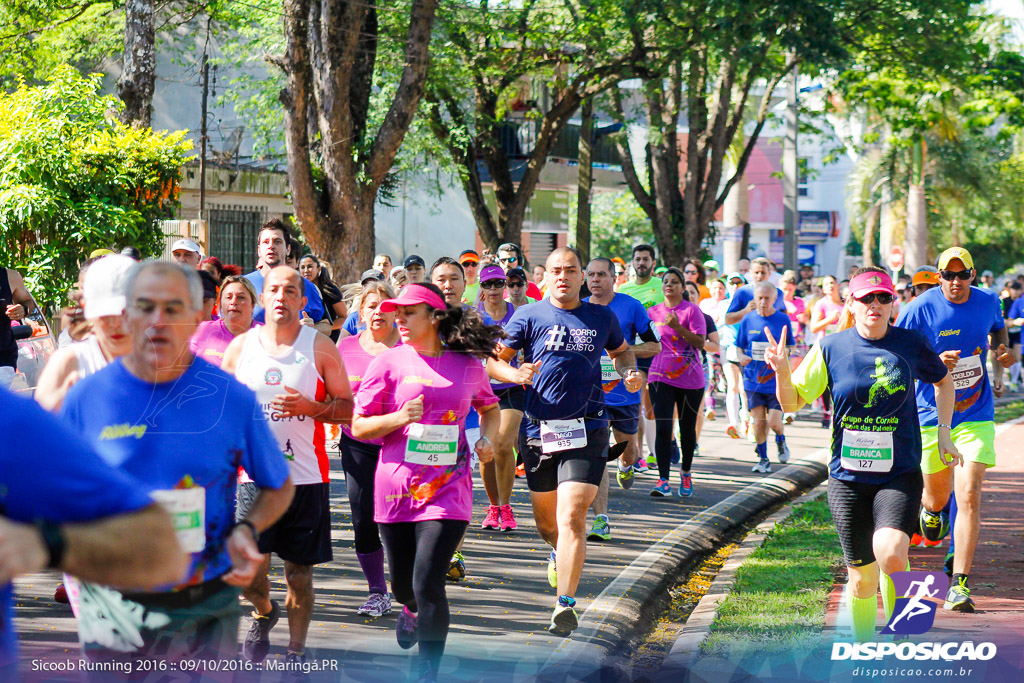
x=185, y=424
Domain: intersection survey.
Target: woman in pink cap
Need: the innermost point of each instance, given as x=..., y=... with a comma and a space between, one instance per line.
x=416, y=397
x=875, y=480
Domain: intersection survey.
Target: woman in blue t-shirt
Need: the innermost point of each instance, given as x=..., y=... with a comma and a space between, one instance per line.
x=875, y=482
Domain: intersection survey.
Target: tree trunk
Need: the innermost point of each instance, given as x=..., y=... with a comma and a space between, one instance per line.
x=867, y=255
x=916, y=247
x=138, y=75
x=585, y=183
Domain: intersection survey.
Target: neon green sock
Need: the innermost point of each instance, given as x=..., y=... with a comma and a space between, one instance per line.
x=888, y=590
x=864, y=612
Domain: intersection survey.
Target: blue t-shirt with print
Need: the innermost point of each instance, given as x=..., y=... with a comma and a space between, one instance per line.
x=314, y=301
x=50, y=473
x=745, y=294
x=758, y=376
x=633, y=321
x=964, y=327
x=196, y=430
x=568, y=344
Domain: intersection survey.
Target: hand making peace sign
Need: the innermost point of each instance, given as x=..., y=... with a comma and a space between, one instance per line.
x=776, y=354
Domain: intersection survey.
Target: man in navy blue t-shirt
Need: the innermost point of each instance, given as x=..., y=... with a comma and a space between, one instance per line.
x=182, y=427
x=61, y=506
x=565, y=426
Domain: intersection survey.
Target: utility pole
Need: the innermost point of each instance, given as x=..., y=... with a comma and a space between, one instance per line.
x=586, y=180
x=790, y=176
x=203, y=138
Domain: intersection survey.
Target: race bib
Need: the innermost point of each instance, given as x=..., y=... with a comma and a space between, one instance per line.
x=757, y=350
x=866, y=451
x=608, y=371
x=435, y=445
x=187, y=508
x=968, y=372
x=562, y=435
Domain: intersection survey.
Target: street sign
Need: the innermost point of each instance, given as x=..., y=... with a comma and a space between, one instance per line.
x=896, y=257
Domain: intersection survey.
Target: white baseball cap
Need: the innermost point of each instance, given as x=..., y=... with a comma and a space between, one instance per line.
x=104, y=289
x=187, y=245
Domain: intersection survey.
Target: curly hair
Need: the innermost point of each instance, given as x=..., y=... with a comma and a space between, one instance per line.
x=463, y=329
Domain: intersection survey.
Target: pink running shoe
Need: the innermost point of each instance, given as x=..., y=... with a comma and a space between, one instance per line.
x=491, y=521
x=508, y=518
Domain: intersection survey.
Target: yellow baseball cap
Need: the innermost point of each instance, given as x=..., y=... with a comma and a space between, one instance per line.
x=955, y=253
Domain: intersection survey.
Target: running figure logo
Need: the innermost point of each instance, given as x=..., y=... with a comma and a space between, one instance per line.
x=887, y=379
x=917, y=594
x=556, y=335
x=289, y=454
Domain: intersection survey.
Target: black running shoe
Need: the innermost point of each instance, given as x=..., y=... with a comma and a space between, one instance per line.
x=257, y=640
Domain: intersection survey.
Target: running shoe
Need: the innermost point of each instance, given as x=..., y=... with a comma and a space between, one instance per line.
x=675, y=456
x=789, y=418
x=625, y=478
x=709, y=414
x=641, y=466
x=696, y=449
x=520, y=471
x=958, y=599
x=916, y=541
x=492, y=520
x=662, y=489
x=783, y=452
x=60, y=594
x=457, y=568
x=601, y=530
x=686, y=486
x=508, y=519
x=552, y=572
x=931, y=544
x=564, y=619
x=933, y=526
x=762, y=466
x=405, y=629
x=377, y=605
x=257, y=640
x=295, y=663
x=732, y=432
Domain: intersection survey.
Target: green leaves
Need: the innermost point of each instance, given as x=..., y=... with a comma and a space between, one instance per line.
x=74, y=179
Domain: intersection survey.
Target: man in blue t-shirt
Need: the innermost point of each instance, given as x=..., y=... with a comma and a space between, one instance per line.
x=742, y=301
x=182, y=427
x=961, y=322
x=565, y=429
x=61, y=506
x=622, y=406
x=272, y=246
x=758, y=376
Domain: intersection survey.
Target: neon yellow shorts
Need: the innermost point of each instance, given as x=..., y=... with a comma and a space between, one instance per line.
x=976, y=441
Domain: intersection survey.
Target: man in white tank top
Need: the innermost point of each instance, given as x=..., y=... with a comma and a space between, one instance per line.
x=300, y=382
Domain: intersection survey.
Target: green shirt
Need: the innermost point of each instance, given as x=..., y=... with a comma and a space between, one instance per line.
x=649, y=293
x=469, y=297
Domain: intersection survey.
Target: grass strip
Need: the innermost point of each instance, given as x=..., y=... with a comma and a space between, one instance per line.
x=781, y=591
x=1010, y=411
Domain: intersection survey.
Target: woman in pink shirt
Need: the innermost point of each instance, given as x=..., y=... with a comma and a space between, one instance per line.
x=416, y=397
x=236, y=303
x=359, y=458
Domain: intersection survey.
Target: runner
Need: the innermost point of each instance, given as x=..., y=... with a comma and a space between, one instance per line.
x=709, y=347
x=694, y=271
x=415, y=268
x=742, y=301
x=874, y=474
x=825, y=316
x=272, y=245
x=566, y=431
x=359, y=458
x=735, y=397
x=186, y=252
x=312, y=269
x=623, y=407
x=515, y=286
x=713, y=361
x=511, y=256
x=382, y=262
x=416, y=397
x=143, y=412
x=15, y=304
x=758, y=377
x=677, y=379
x=470, y=262
x=65, y=508
x=300, y=383
x=237, y=303
x=959, y=321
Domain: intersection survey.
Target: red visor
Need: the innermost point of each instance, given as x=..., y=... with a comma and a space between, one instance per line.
x=867, y=283
x=410, y=296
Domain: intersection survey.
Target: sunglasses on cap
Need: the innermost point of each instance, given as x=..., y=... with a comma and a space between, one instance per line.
x=951, y=275
x=493, y=284
x=883, y=298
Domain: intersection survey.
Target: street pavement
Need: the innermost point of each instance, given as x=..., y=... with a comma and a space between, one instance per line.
x=499, y=612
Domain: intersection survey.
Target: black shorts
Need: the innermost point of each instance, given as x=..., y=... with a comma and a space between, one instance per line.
x=303, y=534
x=545, y=472
x=859, y=510
x=511, y=398
x=757, y=398
x=625, y=419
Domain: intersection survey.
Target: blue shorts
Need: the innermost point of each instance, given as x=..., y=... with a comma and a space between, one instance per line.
x=625, y=419
x=757, y=398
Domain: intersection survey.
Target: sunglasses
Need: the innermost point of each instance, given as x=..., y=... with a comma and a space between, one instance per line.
x=881, y=297
x=690, y=272
x=951, y=275
x=509, y=259
x=516, y=283
x=493, y=284
x=469, y=264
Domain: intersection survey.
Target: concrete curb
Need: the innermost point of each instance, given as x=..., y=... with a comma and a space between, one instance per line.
x=698, y=624
x=610, y=621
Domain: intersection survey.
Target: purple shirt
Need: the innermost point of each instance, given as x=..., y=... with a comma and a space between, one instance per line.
x=210, y=341
x=678, y=364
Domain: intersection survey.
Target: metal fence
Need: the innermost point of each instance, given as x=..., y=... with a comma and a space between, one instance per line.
x=233, y=233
